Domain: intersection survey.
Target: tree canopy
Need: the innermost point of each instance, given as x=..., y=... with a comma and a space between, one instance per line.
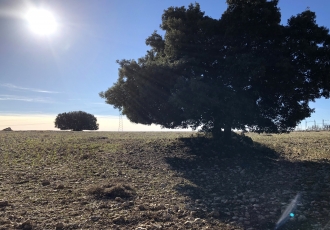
x=76, y=121
x=244, y=70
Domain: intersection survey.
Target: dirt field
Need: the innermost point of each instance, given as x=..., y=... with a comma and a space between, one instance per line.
x=162, y=180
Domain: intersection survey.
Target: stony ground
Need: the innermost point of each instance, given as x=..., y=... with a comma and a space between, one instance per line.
x=104, y=180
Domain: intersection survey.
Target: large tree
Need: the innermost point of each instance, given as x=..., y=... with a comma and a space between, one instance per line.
x=245, y=70
x=76, y=121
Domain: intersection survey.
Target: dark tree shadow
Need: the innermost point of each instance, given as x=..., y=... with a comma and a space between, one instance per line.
x=250, y=185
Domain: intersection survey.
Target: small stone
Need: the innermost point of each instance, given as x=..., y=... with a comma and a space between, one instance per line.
x=125, y=204
x=119, y=199
x=3, y=203
x=261, y=217
x=59, y=226
x=198, y=221
x=167, y=217
x=187, y=223
x=95, y=218
x=119, y=220
x=188, y=207
x=103, y=206
x=175, y=208
x=3, y=222
x=170, y=211
x=142, y=207
x=193, y=213
x=239, y=201
x=45, y=182
x=27, y=225
x=215, y=214
x=302, y=218
x=157, y=226
x=60, y=186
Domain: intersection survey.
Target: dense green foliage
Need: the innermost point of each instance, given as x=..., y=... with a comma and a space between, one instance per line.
x=245, y=70
x=76, y=121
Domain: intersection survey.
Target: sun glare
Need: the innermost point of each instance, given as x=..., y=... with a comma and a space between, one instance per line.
x=41, y=22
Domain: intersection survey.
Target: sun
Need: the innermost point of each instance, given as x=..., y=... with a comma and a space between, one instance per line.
x=41, y=21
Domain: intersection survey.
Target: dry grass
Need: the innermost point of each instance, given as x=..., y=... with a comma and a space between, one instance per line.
x=112, y=190
x=104, y=180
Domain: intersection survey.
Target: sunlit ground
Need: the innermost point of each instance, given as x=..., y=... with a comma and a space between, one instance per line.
x=167, y=180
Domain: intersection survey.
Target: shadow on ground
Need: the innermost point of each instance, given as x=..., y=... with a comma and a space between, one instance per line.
x=249, y=185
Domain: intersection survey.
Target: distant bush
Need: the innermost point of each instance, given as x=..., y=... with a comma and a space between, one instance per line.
x=76, y=121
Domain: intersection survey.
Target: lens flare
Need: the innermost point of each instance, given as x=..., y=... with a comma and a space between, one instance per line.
x=288, y=212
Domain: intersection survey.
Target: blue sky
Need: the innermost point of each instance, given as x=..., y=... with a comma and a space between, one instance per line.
x=42, y=76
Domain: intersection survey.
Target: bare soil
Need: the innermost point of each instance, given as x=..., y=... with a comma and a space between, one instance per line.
x=162, y=180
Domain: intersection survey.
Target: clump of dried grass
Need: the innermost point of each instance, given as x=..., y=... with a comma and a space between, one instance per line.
x=112, y=190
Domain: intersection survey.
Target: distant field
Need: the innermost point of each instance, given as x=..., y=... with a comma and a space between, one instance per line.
x=311, y=146
x=162, y=180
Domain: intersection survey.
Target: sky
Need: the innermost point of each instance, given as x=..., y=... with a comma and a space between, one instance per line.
x=42, y=76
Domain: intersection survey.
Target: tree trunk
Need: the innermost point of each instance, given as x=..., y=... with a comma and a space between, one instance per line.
x=216, y=131
x=227, y=132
